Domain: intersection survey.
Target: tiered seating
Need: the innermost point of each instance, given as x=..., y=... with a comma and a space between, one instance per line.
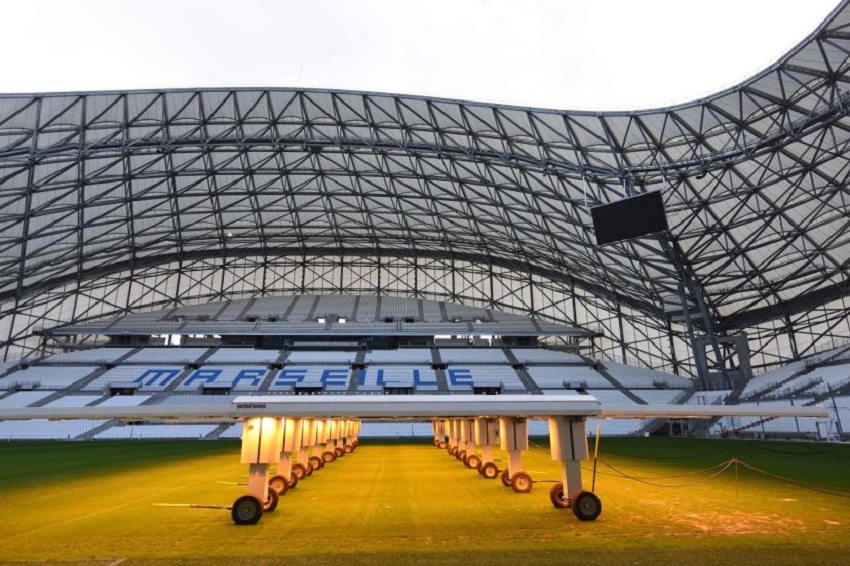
x=332, y=377
x=454, y=310
x=320, y=357
x=551, y=377
x=124, y=400
x=398, y=308
x=374, y=378
x=198, y=400
x=545, y=356
x=199, y=311
x=760, y=383
x=93, y=356
x=74, y=401
x=246, y=378
x=611, y=397
x=48, y=377
x=635, y=377
x=39, y=429
x=233, y=432
x=157, y=431
x=784, y=425
x=495, y=376
x=300, y=311
x=272, y=307
x=417, y=356
x=232, y=310
x=431, y=311
x=242, y=356
x=6, y=366
x=339, y=305
x=23, y=399
x=395, y=429
x=610, y=427
x=473, y=356
x=517, y=324
x=366, y=309
x=658, y=396
x=615, y=427
x=155, y=378
x=709, y=397
x=833, y=377
x=166, y=356
x=843, y=413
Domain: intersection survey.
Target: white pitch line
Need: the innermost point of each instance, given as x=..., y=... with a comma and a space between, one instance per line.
x=116, y=562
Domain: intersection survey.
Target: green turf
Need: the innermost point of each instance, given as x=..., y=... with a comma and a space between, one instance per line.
x=398, y=503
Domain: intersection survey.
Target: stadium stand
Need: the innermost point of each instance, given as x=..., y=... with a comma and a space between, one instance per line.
x=315, y=364
x=47, y=377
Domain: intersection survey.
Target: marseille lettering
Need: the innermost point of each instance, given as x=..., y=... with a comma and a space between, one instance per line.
x=288, y=377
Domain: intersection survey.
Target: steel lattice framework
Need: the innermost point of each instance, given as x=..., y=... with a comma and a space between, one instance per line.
x=122, y=201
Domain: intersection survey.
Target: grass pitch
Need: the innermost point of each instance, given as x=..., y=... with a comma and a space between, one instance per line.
x=409, y=503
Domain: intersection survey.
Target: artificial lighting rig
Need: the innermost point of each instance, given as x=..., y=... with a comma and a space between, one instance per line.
x=300, y=434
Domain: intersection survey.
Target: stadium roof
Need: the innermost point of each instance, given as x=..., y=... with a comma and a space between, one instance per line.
x=754, y=180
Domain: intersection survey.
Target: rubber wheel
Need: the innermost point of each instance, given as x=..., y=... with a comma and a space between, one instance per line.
x=272, y=499
x=489, y=471
x=316, y=463
x=506, y=478
x=473, y=462
x=558, y=497
x=339, y=452
x=522, y=482
x=453, y=451
x=279, y=484
x=293, y=481
x=461, y=455
x=300, y=471
x=328, y=457
x=586, y=506
x=246, y=510
x=348, y=449
x=441, y=444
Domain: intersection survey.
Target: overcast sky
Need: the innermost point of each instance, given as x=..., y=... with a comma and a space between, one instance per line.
x=592, y=54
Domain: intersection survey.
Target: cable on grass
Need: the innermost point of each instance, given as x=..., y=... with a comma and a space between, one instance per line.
x=687, y=457
x=834, y=491
x=717, y=469
x=794, y=453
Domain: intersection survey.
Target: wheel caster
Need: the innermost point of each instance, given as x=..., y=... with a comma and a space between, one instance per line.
x=441, y=444
x=558, y=497
x=586, y=506
x=300, y=471
x=339, y=452
x=348, y=449
x=506, y=478
x=272, y=499
x=489, y=471
x=453, y=451
x=246, y=510
x=328, y=457
x=316, y=463
x=293, y=480
x=473, y=462
x=462, y=456
x=279, y=484
x=521, y=482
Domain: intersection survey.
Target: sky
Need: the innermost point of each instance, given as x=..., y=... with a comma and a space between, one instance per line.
x=571, y=55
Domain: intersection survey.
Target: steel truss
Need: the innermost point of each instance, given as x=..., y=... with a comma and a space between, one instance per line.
x=120, y=201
